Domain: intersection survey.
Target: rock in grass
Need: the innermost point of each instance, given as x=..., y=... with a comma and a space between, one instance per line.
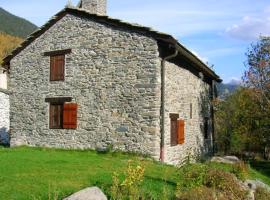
x=226, y=159
x=92, y=193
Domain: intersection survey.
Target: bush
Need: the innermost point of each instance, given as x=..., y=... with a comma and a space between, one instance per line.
x=240, y=170
x=192, y=175
x=226, y=183
x=199, y=193
x=129, y=188
x=262, y=194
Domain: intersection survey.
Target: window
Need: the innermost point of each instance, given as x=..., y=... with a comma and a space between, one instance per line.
x=206, y=126
x=56, y=116
x=177, y=130
x=63, y=115
x=57, y=64
x=57, y=69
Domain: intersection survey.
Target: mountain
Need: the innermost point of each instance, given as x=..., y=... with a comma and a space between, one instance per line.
x=14, y=25
x=227, y=89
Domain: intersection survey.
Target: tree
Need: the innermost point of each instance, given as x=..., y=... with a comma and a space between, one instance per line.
x=257, y=75
x=257, y=78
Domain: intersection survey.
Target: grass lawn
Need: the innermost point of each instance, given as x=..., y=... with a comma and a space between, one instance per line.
x=36, y=173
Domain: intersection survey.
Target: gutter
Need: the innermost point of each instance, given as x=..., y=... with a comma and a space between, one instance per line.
x=162, y=137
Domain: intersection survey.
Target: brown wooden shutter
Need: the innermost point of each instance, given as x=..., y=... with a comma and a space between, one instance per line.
x=60, y=63
x=52, y=68
x=181, y=131
x=70, y=116
x=57, y=67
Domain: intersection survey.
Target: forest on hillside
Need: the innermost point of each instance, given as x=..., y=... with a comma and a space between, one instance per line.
x=7, y=44
x=14, y=25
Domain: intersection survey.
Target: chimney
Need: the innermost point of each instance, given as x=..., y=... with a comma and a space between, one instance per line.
x=98, y=7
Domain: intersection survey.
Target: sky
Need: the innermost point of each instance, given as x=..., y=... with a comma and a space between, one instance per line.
x=217, y=31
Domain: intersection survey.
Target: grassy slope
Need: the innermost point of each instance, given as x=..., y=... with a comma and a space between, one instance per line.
x=27, y=173
x=37, y=173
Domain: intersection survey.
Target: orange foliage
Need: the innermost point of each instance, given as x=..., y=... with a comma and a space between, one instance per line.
x=7, y=44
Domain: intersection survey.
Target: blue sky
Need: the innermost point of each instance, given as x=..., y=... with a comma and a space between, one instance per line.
x=218, y=31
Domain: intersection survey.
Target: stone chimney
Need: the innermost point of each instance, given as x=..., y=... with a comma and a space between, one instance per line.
x=98, y=7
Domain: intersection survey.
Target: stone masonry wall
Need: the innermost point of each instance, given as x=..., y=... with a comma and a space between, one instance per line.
x=4, y=117
x=111, y=73
x=182, y=89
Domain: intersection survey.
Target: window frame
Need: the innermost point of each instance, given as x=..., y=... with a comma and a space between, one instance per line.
x=60, y=126
x=206, y=128
x=56, y=53
x=173, y=135
x=53, y=62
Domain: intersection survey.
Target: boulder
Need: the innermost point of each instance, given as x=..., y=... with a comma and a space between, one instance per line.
x=91, y=193
x=253, y=184
x=226, y=159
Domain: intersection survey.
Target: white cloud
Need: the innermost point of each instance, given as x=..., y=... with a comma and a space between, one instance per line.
x=251, y=27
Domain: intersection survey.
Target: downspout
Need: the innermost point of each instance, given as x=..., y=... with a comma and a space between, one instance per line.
x=163, y=62
x=213, y=116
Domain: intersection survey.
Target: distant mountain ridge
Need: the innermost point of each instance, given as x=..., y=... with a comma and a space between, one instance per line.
x=14, y=25
x=225, y=89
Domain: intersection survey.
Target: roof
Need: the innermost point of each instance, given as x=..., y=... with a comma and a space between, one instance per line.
x=159, y=36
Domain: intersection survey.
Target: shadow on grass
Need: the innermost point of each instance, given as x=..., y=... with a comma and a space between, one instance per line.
x=261, y=166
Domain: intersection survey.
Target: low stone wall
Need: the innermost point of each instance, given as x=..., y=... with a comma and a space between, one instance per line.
x=4, y=116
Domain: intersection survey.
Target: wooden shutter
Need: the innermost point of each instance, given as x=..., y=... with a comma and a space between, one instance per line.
x=70, y=116
x=57, y=67
x=181, y=131
x=60, y=63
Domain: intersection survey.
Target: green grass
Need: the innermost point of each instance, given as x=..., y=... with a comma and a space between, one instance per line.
x=260, y=170
x=35, y=173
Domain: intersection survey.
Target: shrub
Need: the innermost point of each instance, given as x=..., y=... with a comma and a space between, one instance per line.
x=240, y=169
x=129, y=188
x=262, y=194
x=226, y=183
x=192, y=175
x=199, y=193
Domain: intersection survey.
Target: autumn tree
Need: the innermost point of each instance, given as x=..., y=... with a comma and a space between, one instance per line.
x=7, y=44
x=257, y=78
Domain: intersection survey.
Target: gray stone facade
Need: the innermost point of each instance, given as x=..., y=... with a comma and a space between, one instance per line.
x=4, y=117
x=186, y=93
x=114, y=75
x=111, y=73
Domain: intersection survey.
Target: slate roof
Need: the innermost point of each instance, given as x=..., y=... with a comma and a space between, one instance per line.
x=159, y=36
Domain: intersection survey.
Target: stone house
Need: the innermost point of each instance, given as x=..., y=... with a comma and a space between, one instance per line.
x=4, y=109
x=87, y=81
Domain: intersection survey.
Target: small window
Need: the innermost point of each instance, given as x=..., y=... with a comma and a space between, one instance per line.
x=56, y=116
x=174, y=118
x=57, y=64
x=177, y=130
x=57, y=69
x=63, y=115
x=206, y=127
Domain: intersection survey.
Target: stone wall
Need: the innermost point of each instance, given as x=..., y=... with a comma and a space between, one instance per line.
x=182, y=89
x=3, y=80
x=95, y=6
x=112, y=74
x=4, y=117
